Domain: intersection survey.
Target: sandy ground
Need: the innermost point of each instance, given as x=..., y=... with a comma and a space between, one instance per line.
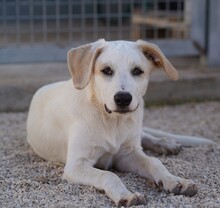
x=28, y=181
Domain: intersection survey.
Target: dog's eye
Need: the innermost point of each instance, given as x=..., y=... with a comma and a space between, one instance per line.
x=137, y=71
x=107, y=71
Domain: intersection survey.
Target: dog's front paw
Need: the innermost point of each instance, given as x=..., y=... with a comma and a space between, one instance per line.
x=179, y=186
x=185, y=187
x=132, y=200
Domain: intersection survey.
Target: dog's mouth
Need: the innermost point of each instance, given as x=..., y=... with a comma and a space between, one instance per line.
x=121, y=110
x=107, y=110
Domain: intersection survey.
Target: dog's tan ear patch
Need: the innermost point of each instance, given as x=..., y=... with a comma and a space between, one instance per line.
x=152, y=52
x=81, y=61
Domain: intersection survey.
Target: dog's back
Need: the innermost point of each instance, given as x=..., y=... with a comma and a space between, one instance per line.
x=43, y=117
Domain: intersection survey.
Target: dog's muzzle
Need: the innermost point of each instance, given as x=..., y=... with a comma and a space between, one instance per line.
x=122, y=101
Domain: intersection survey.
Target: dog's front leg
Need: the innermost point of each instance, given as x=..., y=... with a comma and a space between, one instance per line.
x=79, y=169
x=152, y=168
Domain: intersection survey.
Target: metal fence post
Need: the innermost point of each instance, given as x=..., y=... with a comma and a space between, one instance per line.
x=214, y=34
x=198, y=28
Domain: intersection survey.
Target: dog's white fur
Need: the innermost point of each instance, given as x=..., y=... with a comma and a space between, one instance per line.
x=77, y=122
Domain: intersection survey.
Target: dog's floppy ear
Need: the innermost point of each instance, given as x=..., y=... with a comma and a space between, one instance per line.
x=81, y=61
x=152, y=52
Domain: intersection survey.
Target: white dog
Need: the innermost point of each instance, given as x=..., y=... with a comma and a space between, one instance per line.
x=95, y=120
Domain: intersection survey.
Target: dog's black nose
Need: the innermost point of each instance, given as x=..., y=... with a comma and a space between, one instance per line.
x=122, y=99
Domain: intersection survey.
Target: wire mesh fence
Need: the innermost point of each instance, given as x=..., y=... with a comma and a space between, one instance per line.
x=65, y=21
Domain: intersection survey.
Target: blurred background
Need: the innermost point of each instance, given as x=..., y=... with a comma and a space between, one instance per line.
x=35, y=36
x=43, y=30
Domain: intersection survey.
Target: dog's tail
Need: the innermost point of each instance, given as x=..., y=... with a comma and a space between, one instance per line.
x=182, y=139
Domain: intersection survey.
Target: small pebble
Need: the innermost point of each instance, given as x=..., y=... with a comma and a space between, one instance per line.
x=42, y=179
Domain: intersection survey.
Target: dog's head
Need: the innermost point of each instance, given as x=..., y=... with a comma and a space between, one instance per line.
x=118, y=71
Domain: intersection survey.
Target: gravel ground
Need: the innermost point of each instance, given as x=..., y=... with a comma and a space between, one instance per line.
x=28, y=181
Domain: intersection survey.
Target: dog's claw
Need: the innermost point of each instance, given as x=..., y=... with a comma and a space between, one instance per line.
x=177, y=189
x=159, y=185
x=133, y=200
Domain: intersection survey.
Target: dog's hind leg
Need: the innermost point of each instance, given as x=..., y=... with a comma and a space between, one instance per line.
x=182, y=139
x=161, y=145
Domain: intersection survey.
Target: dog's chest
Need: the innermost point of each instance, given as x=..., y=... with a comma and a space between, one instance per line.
x=117, y=134
x=116, y=142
